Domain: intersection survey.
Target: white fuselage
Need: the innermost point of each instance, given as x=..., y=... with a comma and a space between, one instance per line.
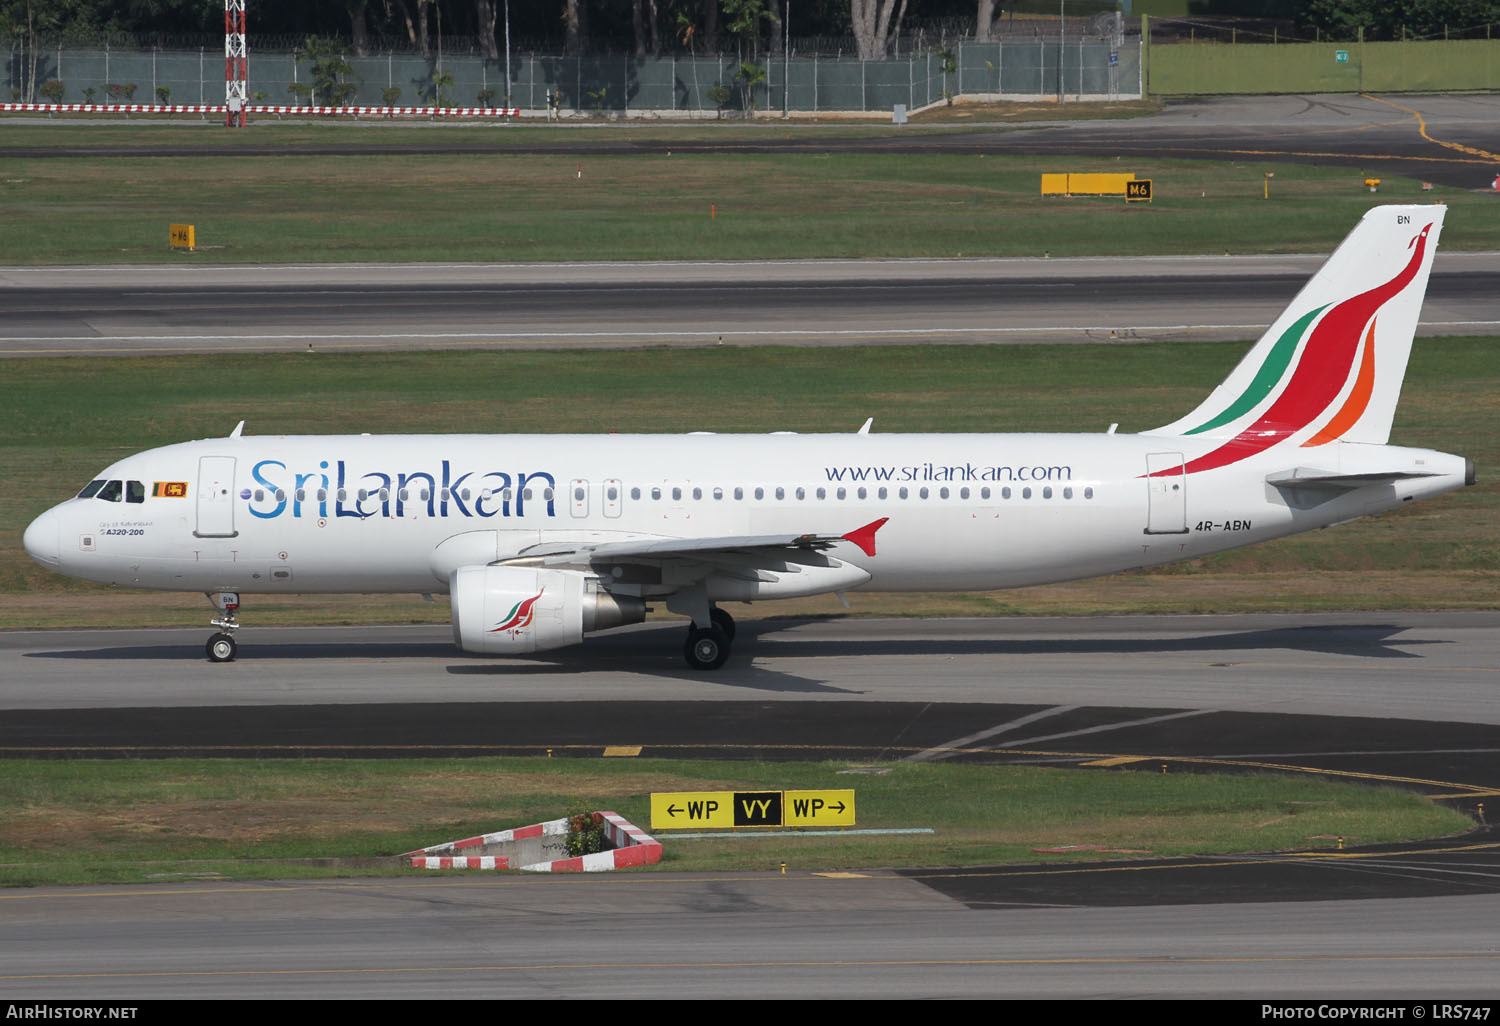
x=356, y=513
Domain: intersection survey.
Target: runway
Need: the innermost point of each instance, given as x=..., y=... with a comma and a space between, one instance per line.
x=1450, y=139
x=712, y=937
x=1407, y=699
x=1235, y=691
x=352, y=308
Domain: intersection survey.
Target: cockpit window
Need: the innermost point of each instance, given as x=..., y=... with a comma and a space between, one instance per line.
x=90, y=488
x=110, y=492
x=135, y=491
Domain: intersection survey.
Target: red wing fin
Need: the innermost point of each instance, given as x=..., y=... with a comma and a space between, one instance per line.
x=864, y=537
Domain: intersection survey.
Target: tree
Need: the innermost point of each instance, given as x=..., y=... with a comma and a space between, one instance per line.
x=1391, y=19
x=875, y=27
x=486, y=16
x=330, y=70
x=984, y=21
x=751, y=76
x=575, y=28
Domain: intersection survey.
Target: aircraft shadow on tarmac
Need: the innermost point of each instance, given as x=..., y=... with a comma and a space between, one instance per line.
x=653, y=650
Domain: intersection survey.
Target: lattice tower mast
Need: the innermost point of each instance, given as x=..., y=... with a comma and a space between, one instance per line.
x=235, y=96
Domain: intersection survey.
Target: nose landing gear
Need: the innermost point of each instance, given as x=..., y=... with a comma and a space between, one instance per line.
x=221, y=647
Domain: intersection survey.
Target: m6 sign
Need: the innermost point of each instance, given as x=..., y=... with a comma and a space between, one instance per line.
x=682, y=810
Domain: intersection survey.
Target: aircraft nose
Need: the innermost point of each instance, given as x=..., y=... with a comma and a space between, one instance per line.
x=41, y=540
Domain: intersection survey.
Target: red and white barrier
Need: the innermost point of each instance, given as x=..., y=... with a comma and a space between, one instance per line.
x=199, y=108
x=632, y=847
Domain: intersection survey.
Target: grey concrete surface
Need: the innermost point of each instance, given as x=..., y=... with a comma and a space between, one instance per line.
x=707, y=936
x=1412, y=666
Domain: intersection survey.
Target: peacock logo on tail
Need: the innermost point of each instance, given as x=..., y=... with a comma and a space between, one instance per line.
x=1320, y=375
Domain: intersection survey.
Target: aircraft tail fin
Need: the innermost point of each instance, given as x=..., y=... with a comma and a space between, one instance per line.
x=1330, y=367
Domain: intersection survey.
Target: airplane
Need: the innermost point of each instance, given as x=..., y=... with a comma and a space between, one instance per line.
x=540, y=539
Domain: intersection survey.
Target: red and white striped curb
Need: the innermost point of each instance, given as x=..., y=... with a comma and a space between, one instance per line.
x=148, y=108
x=632, y=847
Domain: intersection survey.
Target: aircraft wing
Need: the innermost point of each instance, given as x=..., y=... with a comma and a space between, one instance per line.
x=738, y=550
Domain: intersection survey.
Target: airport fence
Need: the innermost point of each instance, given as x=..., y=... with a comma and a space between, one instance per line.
x=707, y=86
x=1434, y=65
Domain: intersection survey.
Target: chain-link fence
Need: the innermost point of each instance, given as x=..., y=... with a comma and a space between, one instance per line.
x=1010, y=69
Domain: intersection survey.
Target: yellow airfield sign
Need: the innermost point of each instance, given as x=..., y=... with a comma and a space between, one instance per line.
x=723, y=810
x=818, y=808
x=181, y=236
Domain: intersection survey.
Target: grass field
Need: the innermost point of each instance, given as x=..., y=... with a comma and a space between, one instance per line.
x=649, y=203
x=163, y=819
x=63, y=420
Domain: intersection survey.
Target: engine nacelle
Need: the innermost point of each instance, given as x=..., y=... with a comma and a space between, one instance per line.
x=512, y=610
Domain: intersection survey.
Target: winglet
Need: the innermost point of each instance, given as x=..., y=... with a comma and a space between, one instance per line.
x=864, y=537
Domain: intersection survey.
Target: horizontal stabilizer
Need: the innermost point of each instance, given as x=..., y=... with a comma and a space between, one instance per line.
x=1309, y=477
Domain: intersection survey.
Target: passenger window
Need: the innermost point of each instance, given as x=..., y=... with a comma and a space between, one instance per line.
x=578, y=494
x=718, y=493
x=697, y=493
x=822, y=493
x=883, y=492
x=1088, y=493
x=135, y=491
x=322, y=494
x=110, y=492
x=611, y=493
x=862, y=493
x=90, y=489
x=902, y=493
x=780, y=493
x=943, y=492
x=1047, y=492
x=760, y=493
x=301, y=494
x=1026, y=492
x=635, y=493
x=984, y=493
x=841, y=493
x=739, y=494
x=801, y=493
x=1067, y=493
x=963, y=493
x=1005, y=492
x=923, y=492
x=676, y=494
x=655, y=494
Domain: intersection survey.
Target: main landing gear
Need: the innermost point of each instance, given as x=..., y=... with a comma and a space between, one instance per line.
x=221, y=648
x=706, y=648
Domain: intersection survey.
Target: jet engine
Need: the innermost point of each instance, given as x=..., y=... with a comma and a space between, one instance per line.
x=512, y=610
